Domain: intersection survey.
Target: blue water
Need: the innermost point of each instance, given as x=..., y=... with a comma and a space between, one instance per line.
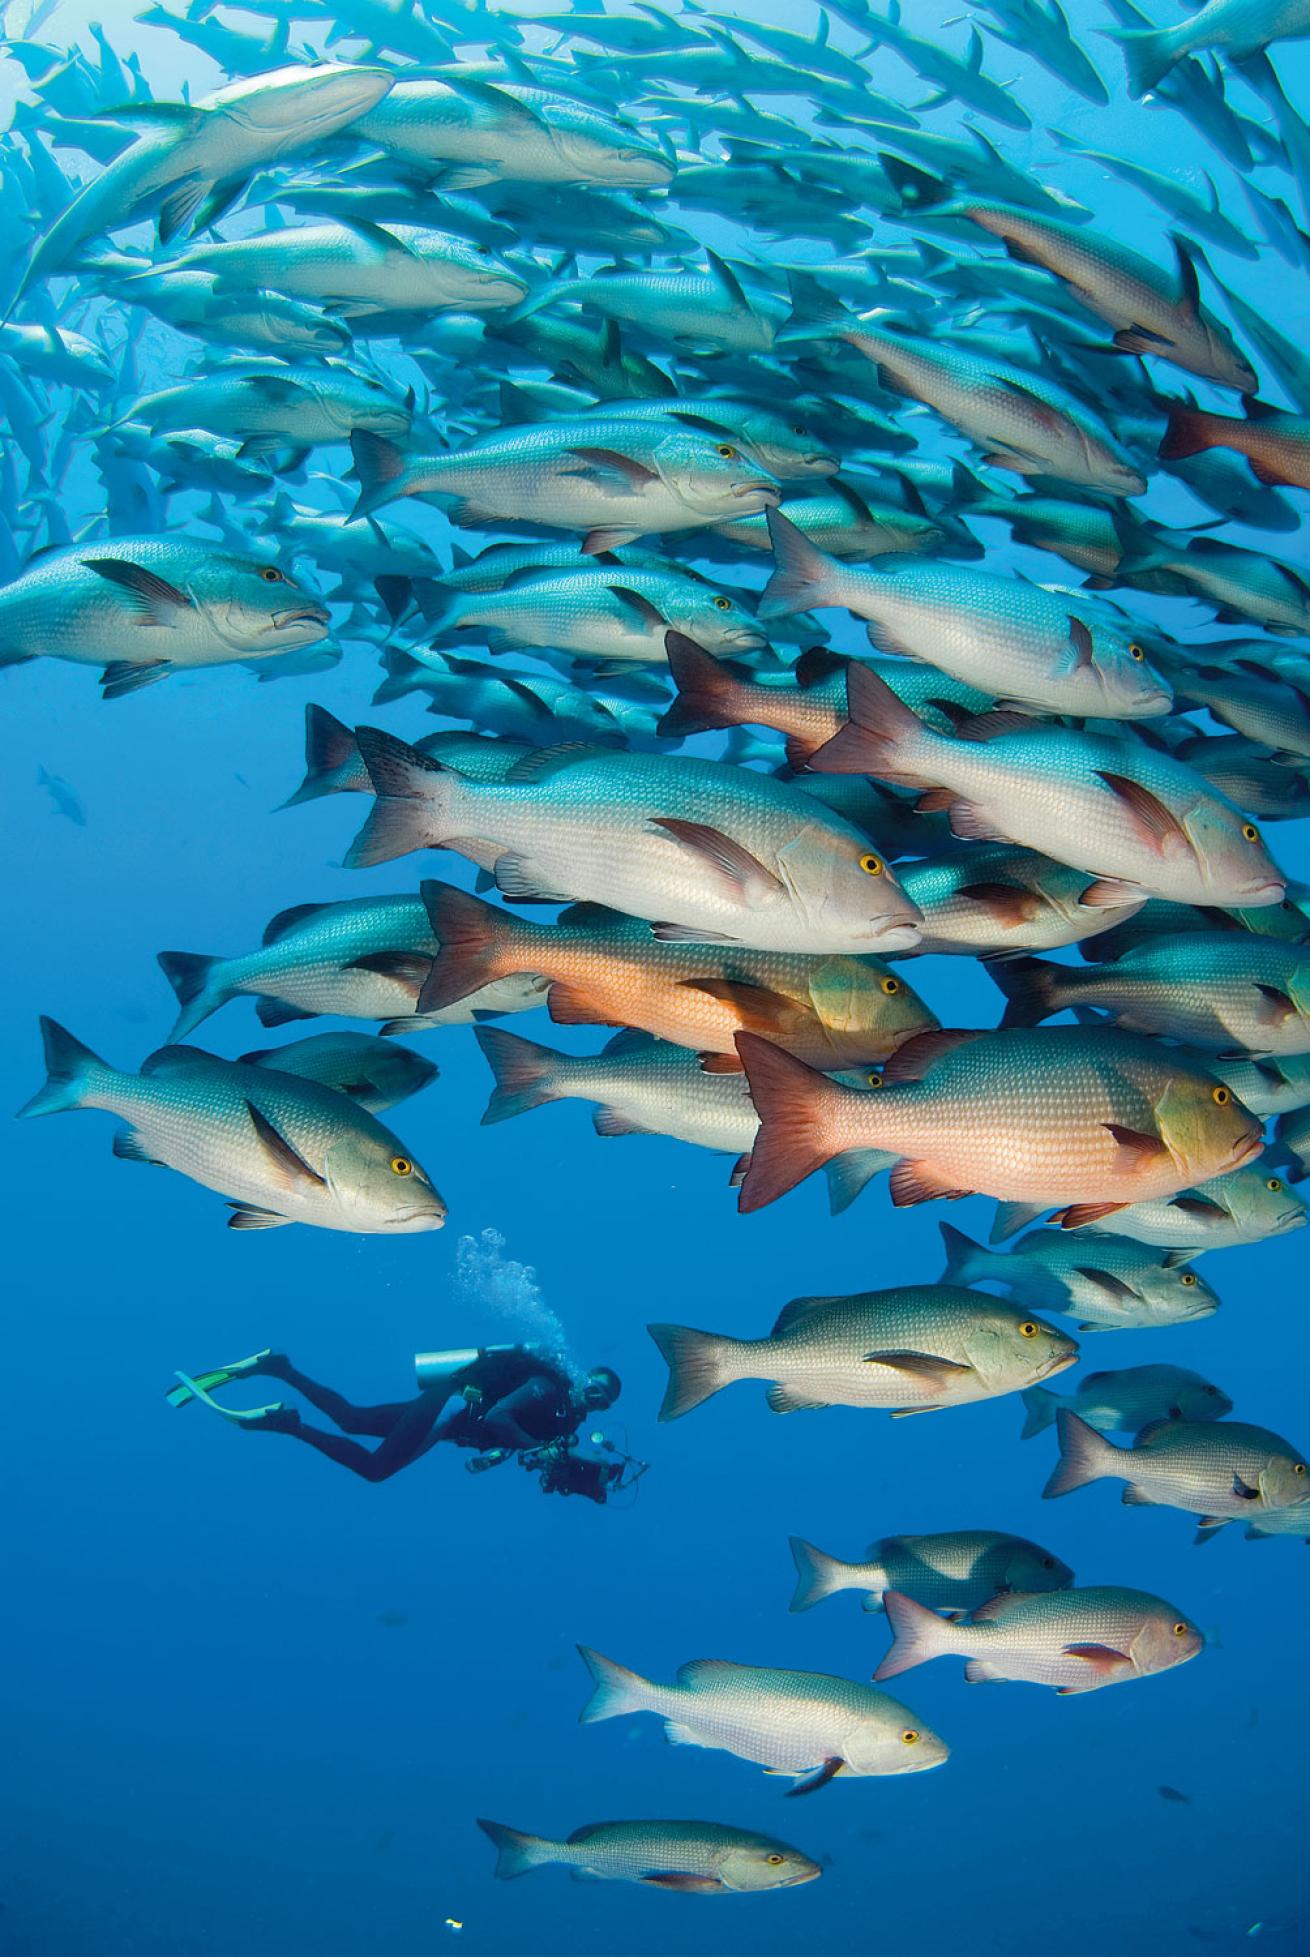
x=254, y=1704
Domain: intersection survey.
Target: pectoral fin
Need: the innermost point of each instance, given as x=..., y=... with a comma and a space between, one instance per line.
x=1138, y=1151
x=1075, y=1215
x=745, y=875
x=1243, y=1490
x=289, y=1168
x=155, y=600
x=695, y=1885
x=828, y=1771
x=1157, y=825
x=919, y=1365
x=1101, y=1657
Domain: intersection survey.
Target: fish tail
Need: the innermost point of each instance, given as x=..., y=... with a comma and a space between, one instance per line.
x=192, y=977
x=790, y=1099
x=697, y=1366
x=711, y=692
x=472, y=935
x=516, y=1852
x=818, y=1575
x=1149, y=53
x=918, y=1634
x=1190, y=430
x=1085, y=1455
x=880, y=736
x=72, y=1073
x=524, y=1071
x=617, y=1689
x=803, y=575
x=1031, y=988
x=380, y=468
x=1040, y=1409
x=404, y=674
x=331, y=757
x=965, y=1259
x=411, y=792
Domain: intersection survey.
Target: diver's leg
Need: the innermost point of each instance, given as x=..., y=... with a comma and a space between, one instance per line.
x=410, y=1436
x=375, y=1422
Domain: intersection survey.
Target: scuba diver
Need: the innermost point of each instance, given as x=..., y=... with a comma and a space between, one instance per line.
x=501, y=1401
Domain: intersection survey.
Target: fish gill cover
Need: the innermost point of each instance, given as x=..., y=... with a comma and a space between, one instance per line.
x=742, y=570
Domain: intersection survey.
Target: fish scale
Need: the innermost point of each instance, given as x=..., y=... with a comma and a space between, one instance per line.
x=1075, y=1640
x=1221, y=1468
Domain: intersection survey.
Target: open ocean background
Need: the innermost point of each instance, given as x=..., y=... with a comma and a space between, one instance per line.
x=253, y=1705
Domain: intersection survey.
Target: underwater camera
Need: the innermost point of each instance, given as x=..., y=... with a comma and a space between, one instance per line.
x=563, y=1471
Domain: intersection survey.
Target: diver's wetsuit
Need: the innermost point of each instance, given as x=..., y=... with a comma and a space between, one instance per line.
x=525, y=1402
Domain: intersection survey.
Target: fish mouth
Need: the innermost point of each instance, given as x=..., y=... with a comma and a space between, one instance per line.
x=894, y=933
x=302, y=615
x=1247, y=1149
x=1057, y=1363
x=770, y=491
x=426, y=1218
x=1272, y=892
x=1289, y=1220
x=821, y=459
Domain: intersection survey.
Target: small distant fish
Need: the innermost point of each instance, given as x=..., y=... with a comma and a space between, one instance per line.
x=957, y=1571
x=1174, y=1794
x=690, y=1858
x=64, y=798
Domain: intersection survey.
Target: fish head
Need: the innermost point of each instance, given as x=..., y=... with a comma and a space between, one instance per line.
x=1176, y=1293
x=1030, y=1568
x=1259, y=1202
x=1197, y=1400
x=1232, y=854
x=366, y=403
x=786, y=446
x=1205, y=1128
x=303, y=101
x=255, y=608
x=711, y=476
x=1010, y=1349
x=1219, y=358
x=373, y=1181
x=845, y=887
x=1132, y=686
x=748, y=1868
x=868, y=1007
x=1284, y=1481
x=615, y=158
x=1166, y=1638
x=892, y=1740
x=716, y=620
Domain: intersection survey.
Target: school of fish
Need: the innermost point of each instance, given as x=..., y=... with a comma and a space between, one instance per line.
x=578, y=379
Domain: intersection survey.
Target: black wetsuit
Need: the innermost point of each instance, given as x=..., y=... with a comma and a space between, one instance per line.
x=525, y=1403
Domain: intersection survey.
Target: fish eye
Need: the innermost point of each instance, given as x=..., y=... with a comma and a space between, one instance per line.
x=871, y=864
x=1274, y=1185
x=401, y=1166
x=726, y=450
x=775, y=1861
x=1250, y=832
x=891, y=986
x=1189, y=1278
x=1181, y=1629
x=722, y=604
x=1298, y=1467
x=1221, y=1097
x=1213, y=1391
x=910, y=1737
x=1135, y=651
x=1029, y=1329
x=1048, y=1562
x=798, y=428
x=873, y=1080
x=271, y=574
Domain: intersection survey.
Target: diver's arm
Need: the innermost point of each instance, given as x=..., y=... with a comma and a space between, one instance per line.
x=502, y=1421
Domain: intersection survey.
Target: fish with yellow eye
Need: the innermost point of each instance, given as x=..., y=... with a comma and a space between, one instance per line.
x=603, y=968
x=282, y=1147
x=1074, y=1640
x=688, y=1858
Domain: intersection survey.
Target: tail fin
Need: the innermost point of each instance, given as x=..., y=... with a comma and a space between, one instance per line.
x=1040, y=1409
x=516, y=1853
x=404, y=675
x=1149, y=53
x=1010, y=1218
x=617, y=1689
x=918, y=190
x=411, y=791
x=524, y=1072
x=1031, y=988
x=879, y=737
x=803, y=575
x=332, y=759
x=711, y=692
x=791, y=1100
x=380, y=467
x=818, y=1575
x=191, y=975
x=965, y=1260
x=918, y=1634
x=470, y=934
x=696, y=1367
x=71, y=1070
x=1085, y=1455
x=1190, y=430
